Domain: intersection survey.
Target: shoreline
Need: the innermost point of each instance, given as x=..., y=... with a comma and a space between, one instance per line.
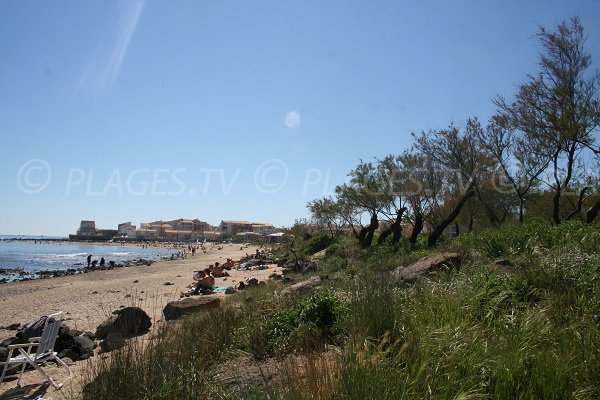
x=179, y=251
x=88, y=299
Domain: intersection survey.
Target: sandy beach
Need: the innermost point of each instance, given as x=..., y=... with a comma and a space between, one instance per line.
x=88, y=299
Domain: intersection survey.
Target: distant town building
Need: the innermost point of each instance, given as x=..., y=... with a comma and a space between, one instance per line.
x=232, y=228
x=87, y=228
x=182, y=229
x=127, y=229
x=87, y=231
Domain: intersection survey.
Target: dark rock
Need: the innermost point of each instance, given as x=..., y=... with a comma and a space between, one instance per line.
x=105, y=328
x=302, y=287
x=241, y=286
x=189, y=305
x=130, y=321
x=3, y=355
x=112, y=342
x=64, y=340
x=230, y=290
x=251, y=281
x=69, y=353
x=275, y=276
x=428, y=264
x=308, y=267
x=11, y=340
x=86, y=344
x=11, y=327
x=168, y=283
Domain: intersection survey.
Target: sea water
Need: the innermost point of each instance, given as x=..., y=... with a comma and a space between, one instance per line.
x=32, y=256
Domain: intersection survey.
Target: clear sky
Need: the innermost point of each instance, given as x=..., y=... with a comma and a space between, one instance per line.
x=135, y=111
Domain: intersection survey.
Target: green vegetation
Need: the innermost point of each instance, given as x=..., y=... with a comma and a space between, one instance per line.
x=528, y=328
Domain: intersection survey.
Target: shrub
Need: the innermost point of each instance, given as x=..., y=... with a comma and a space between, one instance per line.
x=318, y=242
x=316, y=317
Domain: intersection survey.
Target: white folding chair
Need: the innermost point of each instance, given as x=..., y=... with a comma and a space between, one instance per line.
x=37, y=351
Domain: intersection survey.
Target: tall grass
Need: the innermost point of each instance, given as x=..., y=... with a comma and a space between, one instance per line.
x=482, y=333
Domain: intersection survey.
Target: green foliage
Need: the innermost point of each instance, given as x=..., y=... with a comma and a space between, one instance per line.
x=497, y=296
x=315, y=319
x=318, y=242
x=533, y=235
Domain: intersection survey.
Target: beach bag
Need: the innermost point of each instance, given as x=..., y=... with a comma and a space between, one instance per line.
x=32, y=329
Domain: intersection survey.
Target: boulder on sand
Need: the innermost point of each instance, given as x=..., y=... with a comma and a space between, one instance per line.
x=112, y=342
x=189, y=305
x=428, y=264
x=129, y=322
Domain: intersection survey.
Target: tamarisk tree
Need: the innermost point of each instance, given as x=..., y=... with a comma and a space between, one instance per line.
x=558, y=110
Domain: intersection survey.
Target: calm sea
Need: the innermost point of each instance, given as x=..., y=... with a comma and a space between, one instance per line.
x=33, y=257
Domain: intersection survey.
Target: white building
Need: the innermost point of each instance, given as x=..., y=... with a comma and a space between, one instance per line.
x=127, y=229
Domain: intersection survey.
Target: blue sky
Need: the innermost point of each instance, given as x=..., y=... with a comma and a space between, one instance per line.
x=135, y=111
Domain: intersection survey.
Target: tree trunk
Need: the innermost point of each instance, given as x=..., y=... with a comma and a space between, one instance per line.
x=592, y=212
x=579, y=205
x=397, y=232
x=384, y=235
x=417, y=228
x=521, y=207
x=439, y=229
x=366, y=233
x=371, y=230
x=556, y=206
x=471, y=222
x=489, y=211
x=395, y=229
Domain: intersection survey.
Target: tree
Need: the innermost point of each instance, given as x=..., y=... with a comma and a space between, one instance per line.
x=558, y=110
x=462, y=156
x=390, y=173
x=327, y=211
x=422, y=183
x=363, y=195
x=520, y=162
x=466, y=165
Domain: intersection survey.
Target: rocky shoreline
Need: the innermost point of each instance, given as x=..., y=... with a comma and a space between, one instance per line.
x=19, y=274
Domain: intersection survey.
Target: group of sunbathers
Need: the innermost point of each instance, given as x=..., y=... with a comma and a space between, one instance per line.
x=205, y=279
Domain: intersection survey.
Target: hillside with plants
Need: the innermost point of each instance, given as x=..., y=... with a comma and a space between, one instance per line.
x=514, y=200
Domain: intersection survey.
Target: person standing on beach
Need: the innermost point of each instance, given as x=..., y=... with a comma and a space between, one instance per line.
x=89, y=260
x=102, y=262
